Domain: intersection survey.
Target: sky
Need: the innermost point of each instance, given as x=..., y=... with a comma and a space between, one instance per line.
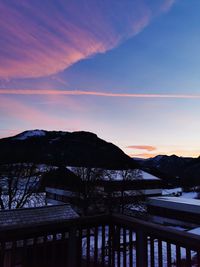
x=125, y=70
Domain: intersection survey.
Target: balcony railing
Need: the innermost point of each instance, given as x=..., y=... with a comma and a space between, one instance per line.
x=106, y=240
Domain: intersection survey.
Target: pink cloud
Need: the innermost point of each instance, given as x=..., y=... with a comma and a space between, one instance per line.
x=143, y=147
x=39, y=40
x=92, y=93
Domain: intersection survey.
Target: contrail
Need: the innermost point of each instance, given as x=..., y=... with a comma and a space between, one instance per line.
x=93, y=93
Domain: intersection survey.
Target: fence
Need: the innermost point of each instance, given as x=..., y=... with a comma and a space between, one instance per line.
x=105, y=240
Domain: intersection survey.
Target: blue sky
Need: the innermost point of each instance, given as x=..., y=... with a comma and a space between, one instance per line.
x=124, y=70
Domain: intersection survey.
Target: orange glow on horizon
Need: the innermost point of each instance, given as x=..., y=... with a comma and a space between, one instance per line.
x=192, y=154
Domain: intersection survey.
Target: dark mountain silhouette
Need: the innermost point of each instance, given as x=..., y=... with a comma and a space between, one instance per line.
x=182, y=170
x=63, y=148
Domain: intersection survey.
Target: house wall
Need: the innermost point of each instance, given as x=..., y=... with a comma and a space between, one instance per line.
x=176, y=204
x=184, y=215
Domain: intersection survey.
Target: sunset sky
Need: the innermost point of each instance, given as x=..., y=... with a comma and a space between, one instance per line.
x=127, y=70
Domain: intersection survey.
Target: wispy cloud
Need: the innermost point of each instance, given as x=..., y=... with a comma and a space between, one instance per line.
x=93, y=93
x=41, y=38
x=142, y=147
x=167, y=5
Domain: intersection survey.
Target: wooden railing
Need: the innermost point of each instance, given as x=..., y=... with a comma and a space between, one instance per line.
x=106, y=240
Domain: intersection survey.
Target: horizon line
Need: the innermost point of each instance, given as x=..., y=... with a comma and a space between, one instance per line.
x=93, y=93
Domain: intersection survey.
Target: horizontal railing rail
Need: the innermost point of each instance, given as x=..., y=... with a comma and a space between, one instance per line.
x=159, y=231
x=104, y=240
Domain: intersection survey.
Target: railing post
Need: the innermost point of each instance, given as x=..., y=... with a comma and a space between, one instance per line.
x=2, y=254
x=141, y=249
x=72, y=256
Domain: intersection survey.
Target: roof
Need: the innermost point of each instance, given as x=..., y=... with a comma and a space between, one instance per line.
x=117, y=175
x=181, y=200
x=195, y=231
x=148, y=176
x=18, y=218
x=176, y=203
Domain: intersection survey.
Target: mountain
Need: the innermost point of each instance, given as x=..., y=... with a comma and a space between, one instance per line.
x=63, y=148
x=173, y=168
x=172, y=165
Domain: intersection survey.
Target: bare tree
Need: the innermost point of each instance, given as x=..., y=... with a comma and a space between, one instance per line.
x=19, y=186
x=135, y=204
x=91, y=194
x=95, y=198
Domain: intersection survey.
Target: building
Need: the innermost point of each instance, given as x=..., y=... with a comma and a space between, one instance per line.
x=102, y=187
x=26, y=217
x=33, y=222
x=174, y=210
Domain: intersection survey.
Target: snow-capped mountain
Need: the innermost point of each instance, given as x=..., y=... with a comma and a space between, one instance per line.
x=28, y=134
x=57, y=147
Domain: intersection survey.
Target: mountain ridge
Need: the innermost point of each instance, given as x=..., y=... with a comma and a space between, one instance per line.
x=78, y=148
x=173, y=168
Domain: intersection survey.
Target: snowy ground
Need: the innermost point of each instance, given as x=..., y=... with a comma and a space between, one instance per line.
x=179, y=193
x=190, y=195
